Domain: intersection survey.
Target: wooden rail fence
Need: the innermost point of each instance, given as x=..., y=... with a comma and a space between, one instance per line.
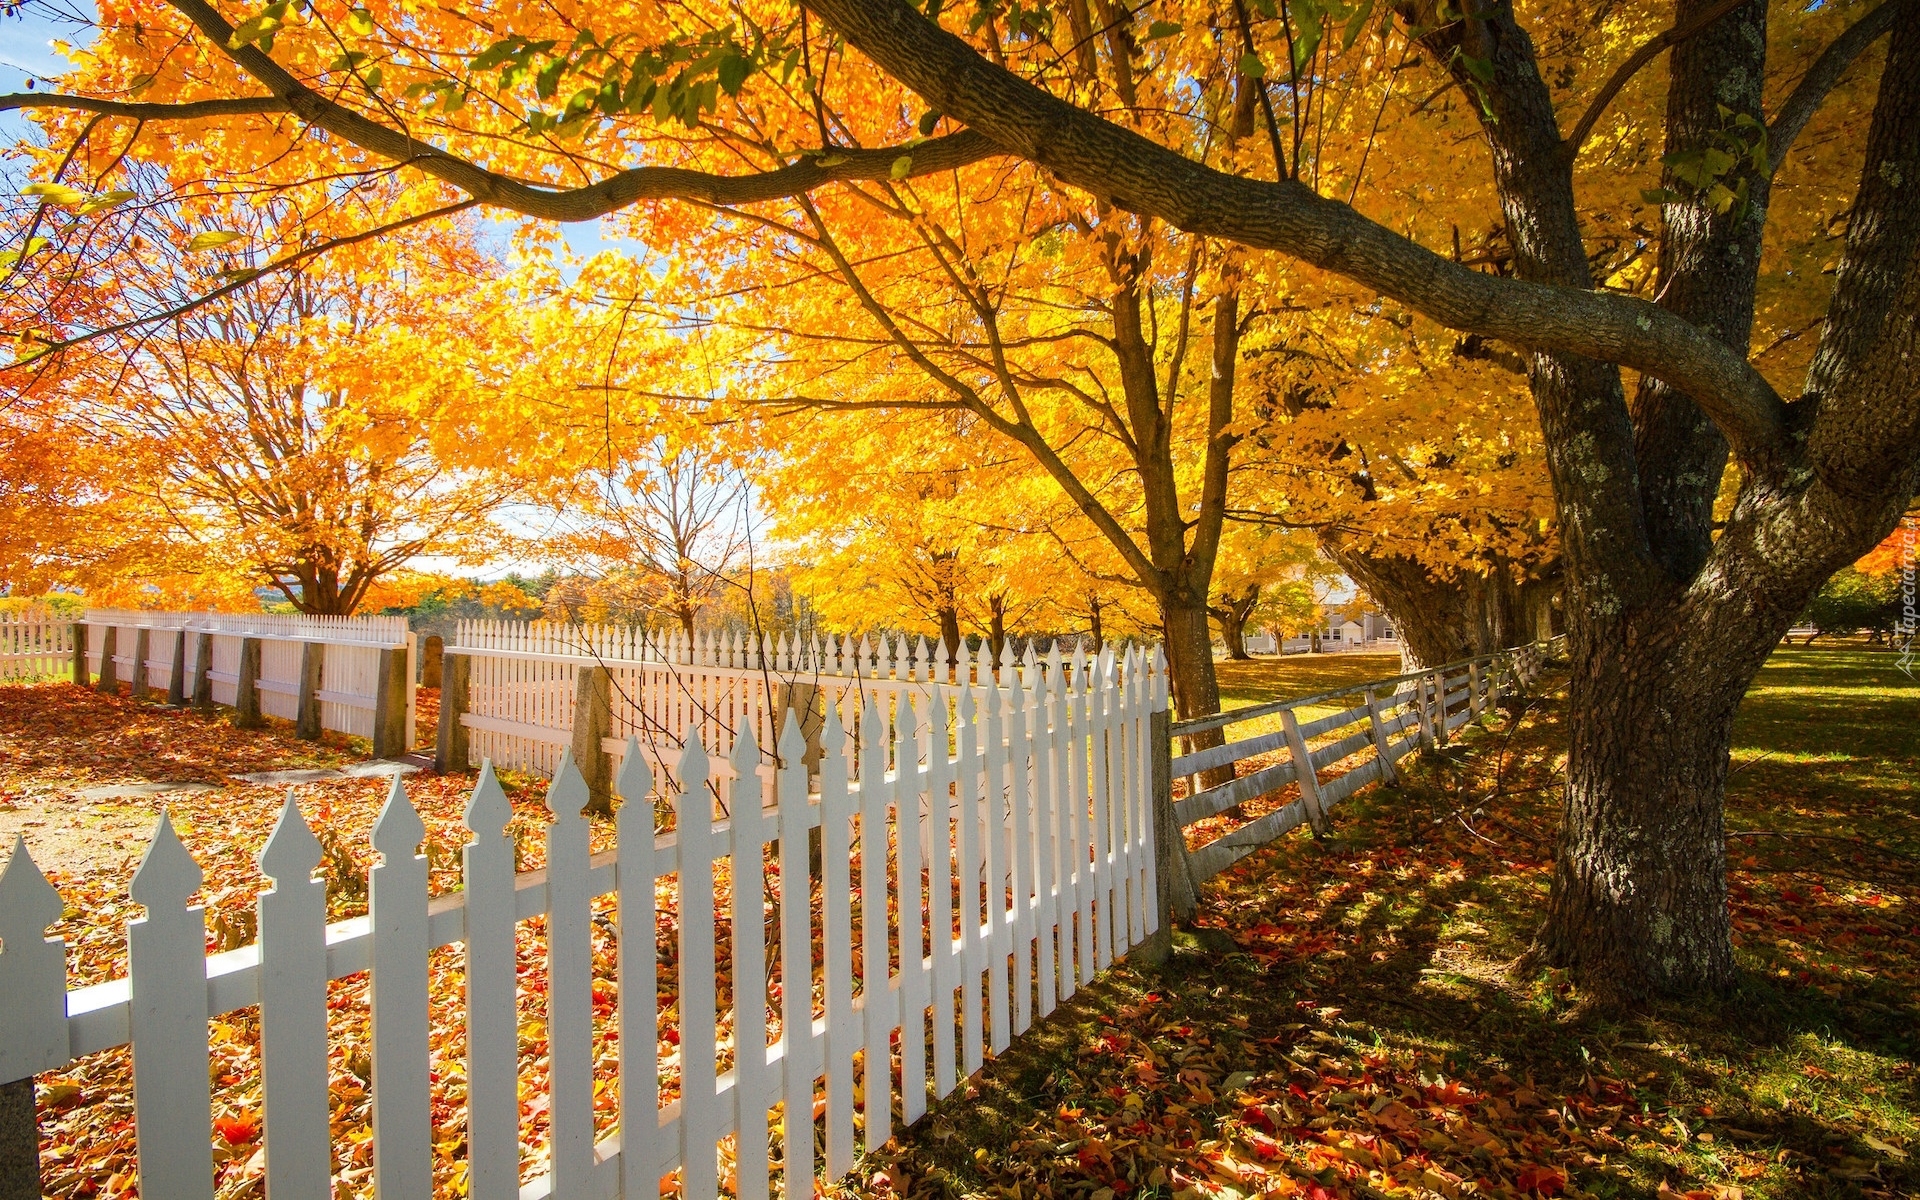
x=1383, y=721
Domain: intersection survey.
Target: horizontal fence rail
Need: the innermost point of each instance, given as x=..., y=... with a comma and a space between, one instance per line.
x=1382, y=721
x=523, y=692
x=1009, y=826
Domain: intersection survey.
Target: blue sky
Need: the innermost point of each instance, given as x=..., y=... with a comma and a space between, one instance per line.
x=26, y=48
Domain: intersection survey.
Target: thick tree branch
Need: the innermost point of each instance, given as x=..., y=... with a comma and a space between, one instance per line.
x=1649, y=50
x=1825, y=73
x=1008, y=115
x=1136, y=174
x=192, y=110
x=597, y=199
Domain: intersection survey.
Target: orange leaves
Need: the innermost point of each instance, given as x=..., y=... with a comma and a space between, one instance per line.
x=238, y=1130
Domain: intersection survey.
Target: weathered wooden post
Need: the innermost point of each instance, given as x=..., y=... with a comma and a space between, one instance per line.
x=109, y=681
x=81, y=675
x=809, y=708
x=1388, y=775
x=1176, y=896
x=450, y=747
x=246, y=689
x=390, y=704
x=1476, y=703
x=313, y=660
x=200, y=692
x=432, y=655
x=19, y=1142
x=592, y=725
x=142, y=648
x=1304, y=775
x=177, y=671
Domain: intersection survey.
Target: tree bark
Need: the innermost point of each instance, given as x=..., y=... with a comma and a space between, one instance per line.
x=1639, y=902
x=1232, y=613
x=950, y=633
x=1196, y=690
x=996, y=626
x=1430, y=615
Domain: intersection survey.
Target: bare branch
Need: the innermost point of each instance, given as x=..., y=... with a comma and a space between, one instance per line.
x=280, y=264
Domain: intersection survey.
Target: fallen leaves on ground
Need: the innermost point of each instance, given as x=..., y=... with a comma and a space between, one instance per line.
x=1346, y=1019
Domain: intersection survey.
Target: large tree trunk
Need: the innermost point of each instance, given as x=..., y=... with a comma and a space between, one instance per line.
x=1431, y=616
x=1196, y=691
x=1639, y=900
x=1232, y=613
x=950, y=633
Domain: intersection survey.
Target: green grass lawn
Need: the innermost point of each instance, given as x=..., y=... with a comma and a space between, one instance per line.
x=1355, y=1028
x=1282, y=678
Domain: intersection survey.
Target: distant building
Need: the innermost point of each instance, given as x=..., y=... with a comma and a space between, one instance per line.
x=1368, y=630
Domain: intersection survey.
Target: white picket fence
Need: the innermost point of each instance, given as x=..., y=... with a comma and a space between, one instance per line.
x=523, y=685
x=350, y=666
x=34, y=647
x=1029, y=802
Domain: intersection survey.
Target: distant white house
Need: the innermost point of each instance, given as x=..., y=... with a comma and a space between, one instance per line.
x=1370, y=630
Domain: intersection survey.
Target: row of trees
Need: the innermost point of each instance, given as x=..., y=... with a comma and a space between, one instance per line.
x=1470, y=296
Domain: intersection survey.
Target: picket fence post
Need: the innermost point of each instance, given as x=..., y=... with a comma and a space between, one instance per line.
x=166, y=954
x=293, y=1012
x=1159, y=944
x=451, y=745
x=569, y=982
x=493, y=1098
x=246, y=690
x=81, y=674
x=397, y=999
x=796, y=960
x=109, y=682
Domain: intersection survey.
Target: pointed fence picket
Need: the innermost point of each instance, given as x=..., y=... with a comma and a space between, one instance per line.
x=1018, y=790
